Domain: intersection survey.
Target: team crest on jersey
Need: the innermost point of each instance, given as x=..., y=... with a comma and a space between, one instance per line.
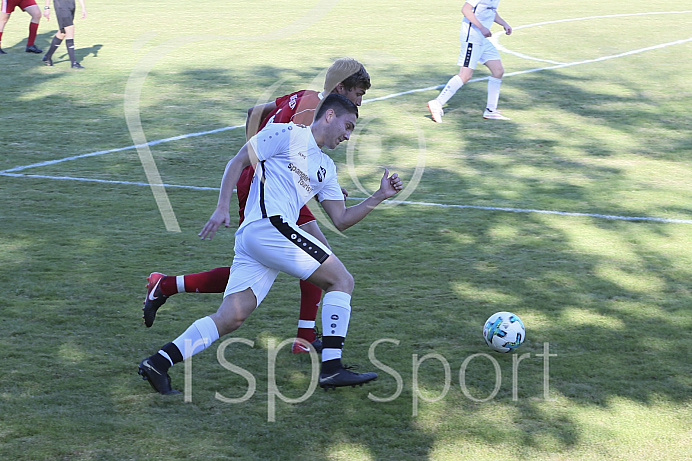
x=293, y=101
x=321, y=173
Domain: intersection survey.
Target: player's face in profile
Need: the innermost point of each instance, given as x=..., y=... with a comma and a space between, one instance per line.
x=340, y=129
x=355, y=94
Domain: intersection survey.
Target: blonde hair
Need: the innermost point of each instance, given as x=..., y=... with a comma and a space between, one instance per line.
x=347, y=71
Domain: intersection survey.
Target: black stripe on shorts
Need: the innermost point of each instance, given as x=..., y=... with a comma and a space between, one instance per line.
x=308, y=246
x=467, y=59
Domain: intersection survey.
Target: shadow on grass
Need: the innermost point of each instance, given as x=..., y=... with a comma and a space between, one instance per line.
x=425, y=276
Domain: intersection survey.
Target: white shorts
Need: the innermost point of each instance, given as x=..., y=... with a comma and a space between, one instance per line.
x=268, y=246
x=473, y=53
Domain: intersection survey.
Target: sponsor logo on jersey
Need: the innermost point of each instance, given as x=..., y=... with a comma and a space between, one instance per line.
x=303, y=179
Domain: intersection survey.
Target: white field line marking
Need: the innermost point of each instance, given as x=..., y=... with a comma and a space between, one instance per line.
x=603, y=58
x=551, y=212
x=402, y=202
x=103, y=181
x=558, y=65
x=586, y=18
x=10, y=171
x=120, y=149
x=403, y=93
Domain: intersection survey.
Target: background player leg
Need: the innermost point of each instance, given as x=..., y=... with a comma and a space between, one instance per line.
x=4, y=17
x=494, y=83
x=453, y=85
x=35, y=13
x=57, y=40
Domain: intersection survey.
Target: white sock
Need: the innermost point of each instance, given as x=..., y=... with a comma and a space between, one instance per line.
x=336, y=314
x=493, y=93
x=197, y=337
x=452, y=86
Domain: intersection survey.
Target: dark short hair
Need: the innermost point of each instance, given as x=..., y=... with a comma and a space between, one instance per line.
x=337, y=102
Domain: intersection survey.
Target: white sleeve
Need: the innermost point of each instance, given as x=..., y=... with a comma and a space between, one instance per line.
x=271, y=140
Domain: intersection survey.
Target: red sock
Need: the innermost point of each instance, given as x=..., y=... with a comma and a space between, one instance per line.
x=168, y=285
x=0, y=38
x=33, y=28
x=213, y=281
x=310, y=296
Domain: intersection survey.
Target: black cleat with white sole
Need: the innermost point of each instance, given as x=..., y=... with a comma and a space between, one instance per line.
x=345, y=377
x=160, y=381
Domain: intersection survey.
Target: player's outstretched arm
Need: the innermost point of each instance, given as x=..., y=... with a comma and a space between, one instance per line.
x=343, y=217
x=245, y=157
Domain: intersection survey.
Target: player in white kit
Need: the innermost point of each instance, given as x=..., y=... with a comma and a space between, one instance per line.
x=479, y=16
x=291, y=169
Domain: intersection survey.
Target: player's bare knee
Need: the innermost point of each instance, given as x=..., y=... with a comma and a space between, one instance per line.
x=227, y=322
x=344, y=283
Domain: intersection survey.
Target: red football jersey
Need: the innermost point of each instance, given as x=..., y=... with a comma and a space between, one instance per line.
x=298, y=107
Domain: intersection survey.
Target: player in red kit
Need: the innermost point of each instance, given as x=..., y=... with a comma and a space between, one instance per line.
x=347, y=77
x=30, y=6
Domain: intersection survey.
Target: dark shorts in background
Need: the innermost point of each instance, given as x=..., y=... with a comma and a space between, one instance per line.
x=64, y=13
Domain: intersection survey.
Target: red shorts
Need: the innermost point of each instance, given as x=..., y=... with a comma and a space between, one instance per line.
x=243, y=190
x=8, y=6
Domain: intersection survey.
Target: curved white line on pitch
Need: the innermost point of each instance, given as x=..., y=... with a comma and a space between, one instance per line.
x=495, y=38
x=605, y=16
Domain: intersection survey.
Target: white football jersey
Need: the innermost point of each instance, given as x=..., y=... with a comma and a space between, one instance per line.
x=291, y=170
x=485, y=11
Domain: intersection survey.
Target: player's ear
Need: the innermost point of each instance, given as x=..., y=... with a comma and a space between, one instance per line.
x=329, y=114
x=339, y=88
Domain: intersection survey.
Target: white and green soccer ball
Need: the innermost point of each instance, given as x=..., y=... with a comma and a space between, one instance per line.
x=504, y=331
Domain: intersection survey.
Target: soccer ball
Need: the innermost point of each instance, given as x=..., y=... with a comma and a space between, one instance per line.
x=504, y=331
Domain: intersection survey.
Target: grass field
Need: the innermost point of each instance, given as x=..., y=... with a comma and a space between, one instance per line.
x=576, y=215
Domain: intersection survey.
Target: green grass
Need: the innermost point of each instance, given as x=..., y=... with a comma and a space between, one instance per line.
x=610, y=298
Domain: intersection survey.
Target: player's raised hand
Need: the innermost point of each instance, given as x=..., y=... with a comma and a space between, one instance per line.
x=390, y=185
x=217, y=218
